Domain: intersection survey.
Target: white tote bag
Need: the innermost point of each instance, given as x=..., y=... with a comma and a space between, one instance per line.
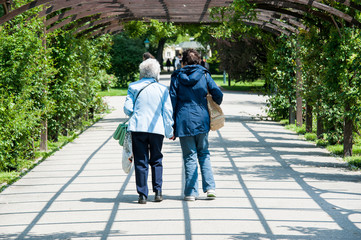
x=127, y=158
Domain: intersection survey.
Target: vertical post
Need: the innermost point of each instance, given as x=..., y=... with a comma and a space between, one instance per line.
x=291, y=113
x=309, y=117
x=224, y=76
x=347, y=132
x=298, y=94
x=44, y=136
x=44, y=129
x=319, y=125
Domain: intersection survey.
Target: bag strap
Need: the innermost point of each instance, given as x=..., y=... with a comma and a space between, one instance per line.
x=141, y=91
x=135, y=100
x=205, y=76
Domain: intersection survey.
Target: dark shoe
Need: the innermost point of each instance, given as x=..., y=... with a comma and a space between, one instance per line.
x=158, y=196
x=142, y=199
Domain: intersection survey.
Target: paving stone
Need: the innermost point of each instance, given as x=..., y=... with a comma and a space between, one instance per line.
x=271, y=184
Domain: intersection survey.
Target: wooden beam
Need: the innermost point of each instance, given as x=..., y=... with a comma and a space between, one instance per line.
x=306, y=6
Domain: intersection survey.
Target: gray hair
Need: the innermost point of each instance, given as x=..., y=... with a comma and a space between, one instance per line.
x=149, y=68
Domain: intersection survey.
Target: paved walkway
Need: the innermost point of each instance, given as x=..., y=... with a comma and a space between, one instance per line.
x=270, y=184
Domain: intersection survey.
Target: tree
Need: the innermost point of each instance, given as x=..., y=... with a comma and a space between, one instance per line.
x=241, y=57
x=126, y=55
x=157, y=32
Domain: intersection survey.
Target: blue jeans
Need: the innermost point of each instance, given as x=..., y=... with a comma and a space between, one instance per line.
x=195, y=149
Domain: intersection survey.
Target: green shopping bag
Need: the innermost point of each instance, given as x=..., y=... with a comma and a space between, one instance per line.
x=120, y=132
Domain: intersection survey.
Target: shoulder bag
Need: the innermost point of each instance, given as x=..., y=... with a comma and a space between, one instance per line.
x=216, y=115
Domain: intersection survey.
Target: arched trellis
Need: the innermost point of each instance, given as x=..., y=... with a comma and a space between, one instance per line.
x=315, y=8
x=282, y=16
x=97, y=17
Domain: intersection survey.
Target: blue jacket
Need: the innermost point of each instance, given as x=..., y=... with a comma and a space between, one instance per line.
x=153, y=111
x=188, y=90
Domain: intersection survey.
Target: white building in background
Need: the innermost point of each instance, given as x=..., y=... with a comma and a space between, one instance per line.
x=170, y=51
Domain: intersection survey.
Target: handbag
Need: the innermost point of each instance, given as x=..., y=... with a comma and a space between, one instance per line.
x=127, y=157
x=120, y=132
x=216, y=115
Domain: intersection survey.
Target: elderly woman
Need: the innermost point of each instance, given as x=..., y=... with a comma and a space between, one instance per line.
x=149, y=107
x=188, y=91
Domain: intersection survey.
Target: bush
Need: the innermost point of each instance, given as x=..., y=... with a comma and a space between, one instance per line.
x=295, y=128
x=284, y=122
x=74, y=90
x=57, y=83
x=25, y=69
x=277, y=107
x=214, y=63
x=126, y=55
x=356, y=149
x=106, y=81
x=354, y=161
x=336, y=149
x=321, y=142
x=311, y=136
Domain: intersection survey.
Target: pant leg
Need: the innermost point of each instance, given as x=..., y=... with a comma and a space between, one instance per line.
x=205, y=162
x=189, y=151
x=141, y=159
x=155, y=161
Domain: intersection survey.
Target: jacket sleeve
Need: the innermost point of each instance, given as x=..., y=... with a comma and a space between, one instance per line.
x=129, y=102
x=214, y=90
x=173, y=93
x=167, y=115
x=173, y=89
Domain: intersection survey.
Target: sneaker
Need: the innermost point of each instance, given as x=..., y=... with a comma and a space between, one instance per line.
x=189, y=198
x=211, y=194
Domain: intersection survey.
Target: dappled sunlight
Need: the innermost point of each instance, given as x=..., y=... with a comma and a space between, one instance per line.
x=270, y=185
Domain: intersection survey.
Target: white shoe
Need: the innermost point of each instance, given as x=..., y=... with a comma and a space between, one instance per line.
x=189, y=198
x=211, y=194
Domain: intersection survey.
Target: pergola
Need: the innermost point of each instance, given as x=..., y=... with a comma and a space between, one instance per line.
x=95, y=17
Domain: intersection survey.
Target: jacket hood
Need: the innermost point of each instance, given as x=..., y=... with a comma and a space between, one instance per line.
x=191, y=74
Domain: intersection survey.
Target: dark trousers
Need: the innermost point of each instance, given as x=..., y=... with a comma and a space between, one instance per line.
x=147, y=149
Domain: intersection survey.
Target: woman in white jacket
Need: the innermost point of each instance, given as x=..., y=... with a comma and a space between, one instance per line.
x=149, y=107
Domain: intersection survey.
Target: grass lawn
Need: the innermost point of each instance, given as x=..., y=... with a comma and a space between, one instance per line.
x=256, y=86
x=114, y=92
x=354, y=160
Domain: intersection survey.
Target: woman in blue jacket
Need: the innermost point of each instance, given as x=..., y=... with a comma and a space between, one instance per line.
x=188, y=90
x=150, y=110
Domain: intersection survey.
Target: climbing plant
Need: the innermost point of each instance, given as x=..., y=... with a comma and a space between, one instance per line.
x=280, y=77
x=74, y=87
x=342, y=78
x=25, y=69
x=51, y=77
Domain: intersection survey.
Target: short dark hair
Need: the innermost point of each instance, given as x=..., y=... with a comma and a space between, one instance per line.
x=147, y=55
x=191, y=57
